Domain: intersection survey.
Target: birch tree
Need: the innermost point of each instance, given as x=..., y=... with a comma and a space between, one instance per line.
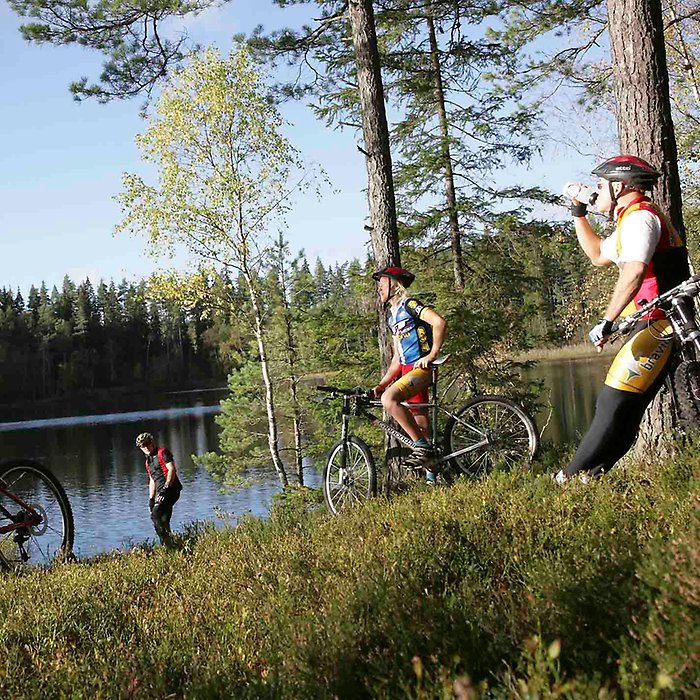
x=225, y=177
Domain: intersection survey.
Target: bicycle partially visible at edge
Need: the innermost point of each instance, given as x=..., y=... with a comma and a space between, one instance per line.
x=487, y=432
x=36, y=520
x=683, y=377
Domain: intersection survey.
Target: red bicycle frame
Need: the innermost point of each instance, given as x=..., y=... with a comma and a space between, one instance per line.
x=33, y=520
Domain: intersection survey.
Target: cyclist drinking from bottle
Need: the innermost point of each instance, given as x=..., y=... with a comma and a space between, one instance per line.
x=651, y=258
x=418, y=333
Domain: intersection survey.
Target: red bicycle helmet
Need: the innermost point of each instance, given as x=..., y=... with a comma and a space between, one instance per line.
x=395, y=273
x=633, y=171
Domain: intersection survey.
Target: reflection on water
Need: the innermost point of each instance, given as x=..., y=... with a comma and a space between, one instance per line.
x=128, y=417
x=570, y=391
x=103, y=473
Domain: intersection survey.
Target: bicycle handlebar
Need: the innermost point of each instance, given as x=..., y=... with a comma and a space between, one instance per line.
x=688, y=288
x=358, y=392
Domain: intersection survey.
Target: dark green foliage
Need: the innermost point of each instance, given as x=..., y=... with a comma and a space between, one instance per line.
x=79, y=339
x=323, y=329
x=506, y=587
x=137, y=54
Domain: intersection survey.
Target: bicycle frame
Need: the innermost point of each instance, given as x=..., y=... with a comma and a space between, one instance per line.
x=433, y=406
x=679, y=315
x=35, y=518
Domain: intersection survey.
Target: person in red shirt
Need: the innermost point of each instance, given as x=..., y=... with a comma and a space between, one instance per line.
x=164, y=487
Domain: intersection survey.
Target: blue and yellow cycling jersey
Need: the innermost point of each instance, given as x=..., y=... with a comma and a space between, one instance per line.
x=415, y=337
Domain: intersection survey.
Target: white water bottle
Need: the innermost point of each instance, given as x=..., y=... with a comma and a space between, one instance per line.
x=582, y=193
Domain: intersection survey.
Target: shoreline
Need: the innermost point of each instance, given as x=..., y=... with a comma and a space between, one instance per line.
x=579, y=351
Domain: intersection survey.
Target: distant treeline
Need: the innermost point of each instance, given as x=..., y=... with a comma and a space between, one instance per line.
x=80, y=338
x=524, y=285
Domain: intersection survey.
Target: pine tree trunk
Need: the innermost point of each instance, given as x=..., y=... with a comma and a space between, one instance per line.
x=450, y=193
x=645, y=129
x=644, y=122
x=380, y=180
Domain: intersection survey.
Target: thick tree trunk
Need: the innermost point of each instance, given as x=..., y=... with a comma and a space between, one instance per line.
x=380, y=179
x=645, y=125
x=645, y=129
x=450, y=194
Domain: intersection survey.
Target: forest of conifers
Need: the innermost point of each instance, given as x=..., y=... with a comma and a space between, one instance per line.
x=525, y=290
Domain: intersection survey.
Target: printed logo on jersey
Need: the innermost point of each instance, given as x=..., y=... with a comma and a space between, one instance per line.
x=423, y=339
x=655, y=356
x=403, y=328
x=632, y=373
x=650, y=361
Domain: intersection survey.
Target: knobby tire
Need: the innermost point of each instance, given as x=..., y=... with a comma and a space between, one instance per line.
x=685, y=382
x=344, y=487
x=510, y=432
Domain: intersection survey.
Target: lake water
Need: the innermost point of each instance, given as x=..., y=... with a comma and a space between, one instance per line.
x=92, y=452
x=103, y=473
x=570, y=391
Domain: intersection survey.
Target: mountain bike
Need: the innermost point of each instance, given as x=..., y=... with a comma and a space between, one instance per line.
x=487, y=432
x=683, y=378
x=36, y=520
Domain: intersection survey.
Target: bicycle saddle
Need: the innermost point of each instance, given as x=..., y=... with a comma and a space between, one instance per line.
x=440, y=361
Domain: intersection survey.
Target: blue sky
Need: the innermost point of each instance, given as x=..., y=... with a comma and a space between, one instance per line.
x=63, y=161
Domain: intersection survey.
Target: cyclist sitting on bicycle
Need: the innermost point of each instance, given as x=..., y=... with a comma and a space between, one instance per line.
x=652, y=259
x=418, y=333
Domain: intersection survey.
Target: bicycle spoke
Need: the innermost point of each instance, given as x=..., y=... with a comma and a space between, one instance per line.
x=351, y=484
x=35, y=495
x=507, y=439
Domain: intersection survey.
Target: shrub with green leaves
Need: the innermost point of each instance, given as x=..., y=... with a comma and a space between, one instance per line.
x=509, y=586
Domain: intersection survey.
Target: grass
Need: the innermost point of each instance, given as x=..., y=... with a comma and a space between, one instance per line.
x=504, y=587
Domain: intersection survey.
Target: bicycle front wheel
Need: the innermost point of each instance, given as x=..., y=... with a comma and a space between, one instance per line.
x=29, y=490
x=349, y=476
x=490, y=432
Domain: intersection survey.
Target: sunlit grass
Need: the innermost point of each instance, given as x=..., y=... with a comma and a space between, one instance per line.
x=508, y=583
x=579, y=351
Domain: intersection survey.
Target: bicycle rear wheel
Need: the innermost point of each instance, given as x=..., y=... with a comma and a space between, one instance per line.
x=490, y=432
x=349, y=476
x=36, y=544
x=685, y=381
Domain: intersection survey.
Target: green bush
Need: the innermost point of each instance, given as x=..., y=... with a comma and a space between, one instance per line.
x=505, y=587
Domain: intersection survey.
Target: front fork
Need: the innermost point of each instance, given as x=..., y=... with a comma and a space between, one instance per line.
x=345, y=434
x=682, y=320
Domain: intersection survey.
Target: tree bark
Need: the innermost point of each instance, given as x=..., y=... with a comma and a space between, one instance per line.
x=292, y=355
x=380, y=180
x=645, y=129
x=272, y=433
x=375, y=130
x=644, y=122
x=450, y=194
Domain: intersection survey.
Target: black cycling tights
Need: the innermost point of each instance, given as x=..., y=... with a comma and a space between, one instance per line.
x=161, y=514
x=613, y=430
